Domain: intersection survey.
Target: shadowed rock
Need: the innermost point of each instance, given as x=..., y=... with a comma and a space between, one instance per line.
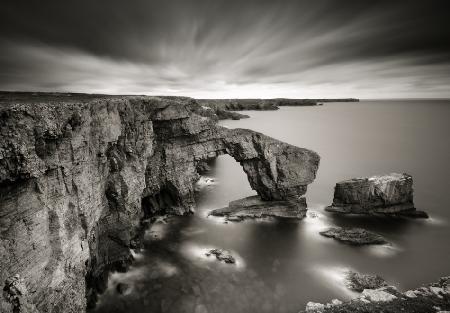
x=354, y=236
x=390, y=195
x=254, y=207
x=222, y=255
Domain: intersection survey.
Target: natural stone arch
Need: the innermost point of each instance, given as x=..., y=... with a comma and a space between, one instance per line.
x=275, y=170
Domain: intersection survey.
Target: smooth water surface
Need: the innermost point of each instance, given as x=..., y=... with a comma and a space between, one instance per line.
x=281, y=265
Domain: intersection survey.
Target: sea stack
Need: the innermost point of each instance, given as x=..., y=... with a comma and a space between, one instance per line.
x=390, y=195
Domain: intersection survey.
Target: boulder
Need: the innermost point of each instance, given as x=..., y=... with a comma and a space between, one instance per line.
x=222, y=255
x=390, y=194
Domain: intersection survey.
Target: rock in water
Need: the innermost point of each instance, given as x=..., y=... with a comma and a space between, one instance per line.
x=354, y=236
x=390, y=194
x=359, y=282
x=254, y=207
x=222, y=255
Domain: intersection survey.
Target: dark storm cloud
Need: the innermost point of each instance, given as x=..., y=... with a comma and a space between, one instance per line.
x=227, y=48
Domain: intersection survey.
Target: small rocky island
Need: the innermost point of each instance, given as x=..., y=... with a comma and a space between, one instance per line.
x=354, y=236
x=385, y=195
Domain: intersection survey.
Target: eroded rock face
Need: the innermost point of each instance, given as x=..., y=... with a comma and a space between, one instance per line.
x=390, y=194
x=276, y=170
x=254, y=207
x=79, y=172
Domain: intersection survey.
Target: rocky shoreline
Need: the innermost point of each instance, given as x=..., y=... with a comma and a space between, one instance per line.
x=81, y=176
x=224, y=108
x=78, y=174
x=432, y=298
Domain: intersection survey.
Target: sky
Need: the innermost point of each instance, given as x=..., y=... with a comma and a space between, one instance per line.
x=227, y=48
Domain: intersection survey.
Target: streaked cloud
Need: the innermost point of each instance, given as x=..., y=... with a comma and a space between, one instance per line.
x=225, y=49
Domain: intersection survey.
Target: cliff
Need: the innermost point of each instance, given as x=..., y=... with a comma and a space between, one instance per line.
x=78, y=173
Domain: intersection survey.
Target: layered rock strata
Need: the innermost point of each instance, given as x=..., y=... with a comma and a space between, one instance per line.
x=79, y=172
x=390, y=194
x=254, y=207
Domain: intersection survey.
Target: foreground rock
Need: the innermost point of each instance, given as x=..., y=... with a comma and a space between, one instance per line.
x=79, y=172
x=432, y=298
x=354, y=236
x=254, y=207
x=358, y=282
x=222, y=255
x=390, y=195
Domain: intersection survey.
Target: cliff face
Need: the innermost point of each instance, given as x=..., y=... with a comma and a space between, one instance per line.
x=78, y=173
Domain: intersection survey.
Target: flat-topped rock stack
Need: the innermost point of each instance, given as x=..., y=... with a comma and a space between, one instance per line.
x=390, y=195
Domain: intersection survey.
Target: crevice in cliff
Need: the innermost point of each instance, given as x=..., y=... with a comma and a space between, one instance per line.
x=159, y=203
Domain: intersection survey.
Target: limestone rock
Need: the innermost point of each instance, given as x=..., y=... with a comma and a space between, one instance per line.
x=276, y=170
x=390, y=194
x=254, y=207
x=354, y=236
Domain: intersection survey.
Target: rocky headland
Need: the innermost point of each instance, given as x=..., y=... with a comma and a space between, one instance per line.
x=78, y=174
x=385, y=195
x=224, y=108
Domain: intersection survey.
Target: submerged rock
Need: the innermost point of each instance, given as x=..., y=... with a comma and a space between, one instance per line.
x=354, y=236
x=390, y=194
x=222, y=255
x=359, y=282
x=254, y=207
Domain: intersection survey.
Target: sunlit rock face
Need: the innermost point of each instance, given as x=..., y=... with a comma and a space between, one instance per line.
x=386, y=194
x=79, y=172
